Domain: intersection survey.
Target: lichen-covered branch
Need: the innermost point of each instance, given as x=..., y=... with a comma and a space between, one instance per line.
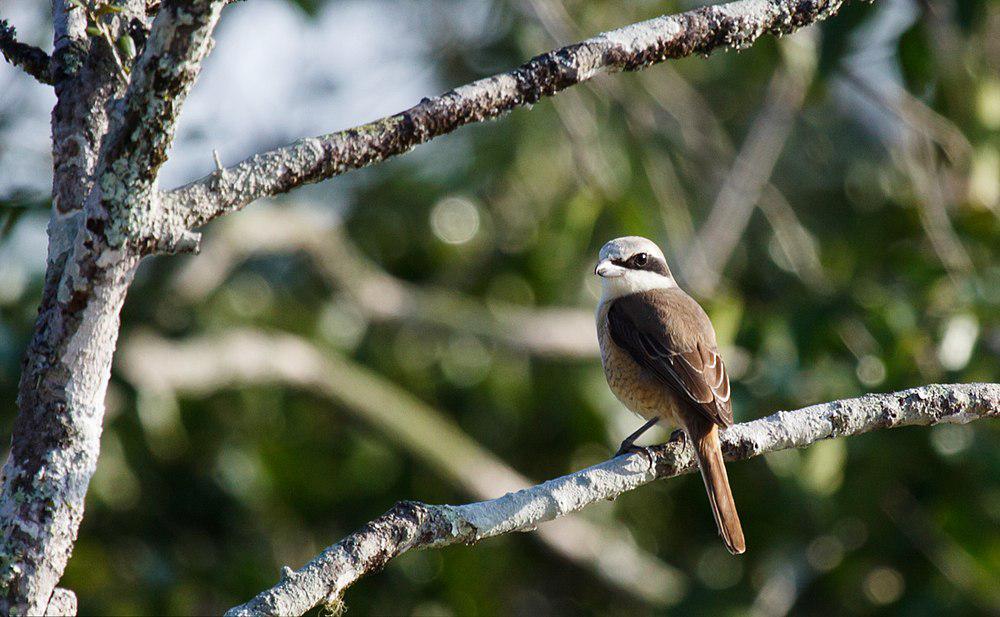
x=53, y=450
x=102, y=199
x=728, y=26
x=410, y=525
x=137, y=144
x=28, y=58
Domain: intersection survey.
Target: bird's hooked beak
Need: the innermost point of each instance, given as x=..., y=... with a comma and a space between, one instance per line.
x=608, y=270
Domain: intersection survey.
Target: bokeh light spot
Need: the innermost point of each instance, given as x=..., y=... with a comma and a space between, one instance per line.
x=957, y=342
x=455, y=220
x=870, y=370
x=951, y=439
x=884, y=585
x=825, y=553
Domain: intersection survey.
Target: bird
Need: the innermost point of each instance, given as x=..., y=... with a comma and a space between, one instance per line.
x=661, y=360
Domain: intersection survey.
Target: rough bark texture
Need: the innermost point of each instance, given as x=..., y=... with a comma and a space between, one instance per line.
x=729, y=26
x=94, y=249
x=411, y=525
x=64, y=373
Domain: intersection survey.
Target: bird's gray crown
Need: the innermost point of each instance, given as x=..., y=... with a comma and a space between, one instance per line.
x=621, y=249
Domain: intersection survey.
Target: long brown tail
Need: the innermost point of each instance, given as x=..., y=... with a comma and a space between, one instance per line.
x=713, y=472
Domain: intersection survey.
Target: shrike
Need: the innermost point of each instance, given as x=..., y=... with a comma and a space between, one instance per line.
x=661, y=360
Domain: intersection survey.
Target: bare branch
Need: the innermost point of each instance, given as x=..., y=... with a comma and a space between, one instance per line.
x=234, y=358
x=728, y=26
x=410, y=525
x=28, y=58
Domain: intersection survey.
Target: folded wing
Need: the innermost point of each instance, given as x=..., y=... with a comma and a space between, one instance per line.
x=666, y=332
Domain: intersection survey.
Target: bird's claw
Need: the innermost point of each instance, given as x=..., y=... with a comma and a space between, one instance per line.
x=630, y=448
x=678, y=436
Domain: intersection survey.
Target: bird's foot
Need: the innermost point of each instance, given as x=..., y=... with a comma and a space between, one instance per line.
x=678, y=436
x=631, y=448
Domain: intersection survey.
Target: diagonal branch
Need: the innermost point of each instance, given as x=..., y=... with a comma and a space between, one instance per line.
x=729, y=26
x=410, y=525
x=28, y=58
x=210, y=363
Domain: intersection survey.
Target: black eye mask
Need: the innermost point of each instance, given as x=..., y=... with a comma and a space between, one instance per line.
x=653, y=264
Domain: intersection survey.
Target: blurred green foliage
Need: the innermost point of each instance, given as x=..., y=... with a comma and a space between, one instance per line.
x=198, y=502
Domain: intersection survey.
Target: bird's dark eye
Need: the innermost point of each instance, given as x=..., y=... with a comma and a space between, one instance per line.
x=641, y=259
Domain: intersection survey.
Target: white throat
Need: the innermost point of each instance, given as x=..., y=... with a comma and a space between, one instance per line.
x=633, y=281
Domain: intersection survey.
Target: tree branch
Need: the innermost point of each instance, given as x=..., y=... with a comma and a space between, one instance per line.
x=207, y=364
x=56, y=436
x=410, y=525
x=137, y=144
x=28, y=58
x=729, y=26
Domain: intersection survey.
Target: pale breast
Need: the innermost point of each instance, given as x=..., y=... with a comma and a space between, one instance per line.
x=637, y=388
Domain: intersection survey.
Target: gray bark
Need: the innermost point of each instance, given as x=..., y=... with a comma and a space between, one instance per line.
x=104, y=181
x=410, y=525
x=31, y=60
x=728, y=26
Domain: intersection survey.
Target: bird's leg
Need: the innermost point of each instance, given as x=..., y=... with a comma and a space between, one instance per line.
x=629, y=444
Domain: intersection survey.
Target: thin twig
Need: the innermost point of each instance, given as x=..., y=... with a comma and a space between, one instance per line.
x=106, y=35
x=28, y=58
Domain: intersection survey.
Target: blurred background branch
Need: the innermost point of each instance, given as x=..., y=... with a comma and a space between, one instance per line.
x=157, y=367
x=751, y=171
x=557, y=332
x=951, y=560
